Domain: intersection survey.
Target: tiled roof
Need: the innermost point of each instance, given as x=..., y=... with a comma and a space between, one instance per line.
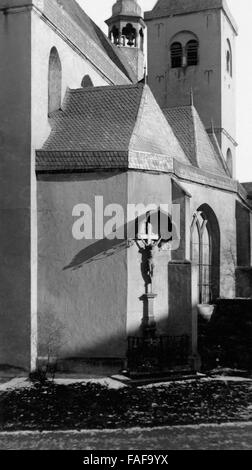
x=193, y=138
x=178, y=7
x=96, y=119
x=106, y=120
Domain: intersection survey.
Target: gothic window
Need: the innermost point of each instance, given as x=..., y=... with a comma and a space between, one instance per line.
x=201, y=257
x=86, y=81
x=229, y=60
x=130, y=34
x=54, y=81
x=192, y=52
x=176, y=55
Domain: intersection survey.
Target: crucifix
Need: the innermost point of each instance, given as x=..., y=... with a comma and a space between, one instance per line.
x=150, y=242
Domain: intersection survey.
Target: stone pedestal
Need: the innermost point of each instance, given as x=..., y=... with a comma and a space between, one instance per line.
x=149, y=323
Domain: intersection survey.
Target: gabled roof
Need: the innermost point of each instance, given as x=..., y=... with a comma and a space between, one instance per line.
x=194, y=140
x=109, y=121
x=180, y=7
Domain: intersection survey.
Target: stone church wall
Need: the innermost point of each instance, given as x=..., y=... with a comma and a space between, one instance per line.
x=82, y=284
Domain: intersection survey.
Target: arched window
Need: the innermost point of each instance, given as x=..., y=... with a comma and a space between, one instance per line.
x=229, y=59
x=130, y=34
x=192, y=52
x=201, y=257
x=176, y=55
x=205, y=254
x=114, y=33
x=230, y=162
x=86, y=81
x=54, y=81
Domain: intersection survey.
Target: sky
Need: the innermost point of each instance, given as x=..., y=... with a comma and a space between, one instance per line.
x=100, y=10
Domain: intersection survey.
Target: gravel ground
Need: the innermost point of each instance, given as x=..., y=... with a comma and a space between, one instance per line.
x=94, y=406
x=203, y=437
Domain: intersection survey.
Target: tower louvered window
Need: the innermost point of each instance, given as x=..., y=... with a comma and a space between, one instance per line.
x=176, y=55
x=192, y=52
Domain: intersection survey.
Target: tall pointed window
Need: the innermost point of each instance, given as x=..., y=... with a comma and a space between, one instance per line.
x=192, y=52
x=54, y=81
x=176, y=55
x=201, y=257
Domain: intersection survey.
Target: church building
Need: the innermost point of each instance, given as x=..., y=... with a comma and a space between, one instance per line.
x=88, y=131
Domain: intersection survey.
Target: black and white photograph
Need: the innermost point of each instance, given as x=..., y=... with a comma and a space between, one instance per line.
x=125, y=229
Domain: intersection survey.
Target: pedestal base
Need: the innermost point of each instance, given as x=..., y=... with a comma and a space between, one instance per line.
x=149, y=323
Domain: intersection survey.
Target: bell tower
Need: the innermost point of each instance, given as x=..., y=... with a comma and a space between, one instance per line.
x=126, y=31
x=191, y=46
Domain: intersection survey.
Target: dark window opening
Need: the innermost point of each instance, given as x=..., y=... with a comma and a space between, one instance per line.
x=130, y=34
x=176, y=55
x=86, y=82
x=141, y=34
x=54, y=81
x=192, y=52
x=229, y=59
x=114, y=34
x=230, y=162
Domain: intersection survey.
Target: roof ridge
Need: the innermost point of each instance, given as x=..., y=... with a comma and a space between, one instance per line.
x=139, y=114
x=105, y=87
x=179, y=107
x=196, y=147
x=215, y=155
x=218, y=152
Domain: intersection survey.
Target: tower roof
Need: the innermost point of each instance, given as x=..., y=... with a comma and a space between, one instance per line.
x=126, y=8
x=179, y=7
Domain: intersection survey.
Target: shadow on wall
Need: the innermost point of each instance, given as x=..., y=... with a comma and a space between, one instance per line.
x=164, y=351
x=110, y=245
x=97, y=251
x=102, y=349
